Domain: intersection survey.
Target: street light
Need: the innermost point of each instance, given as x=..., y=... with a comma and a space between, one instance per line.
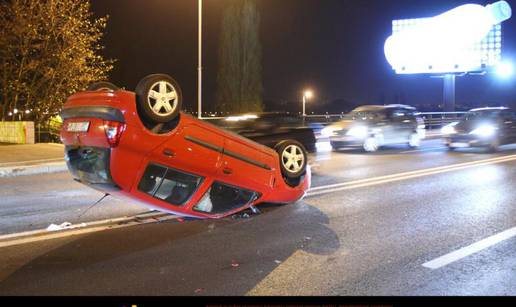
x=199, y=66
x=307, y=94
x=505, y=70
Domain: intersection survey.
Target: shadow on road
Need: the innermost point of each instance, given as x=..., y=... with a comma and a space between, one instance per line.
x=197, y=257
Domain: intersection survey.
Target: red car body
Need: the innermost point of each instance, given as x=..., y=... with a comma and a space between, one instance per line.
x=115, y=153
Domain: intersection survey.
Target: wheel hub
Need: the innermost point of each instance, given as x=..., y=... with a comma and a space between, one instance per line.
x=162, y=98
x=292, y=158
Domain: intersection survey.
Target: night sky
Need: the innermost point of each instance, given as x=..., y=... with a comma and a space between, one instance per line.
x=334, y=47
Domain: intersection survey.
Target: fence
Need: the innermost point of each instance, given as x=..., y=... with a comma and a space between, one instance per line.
x=50, y=131
x=433, y=120
x=17, y=132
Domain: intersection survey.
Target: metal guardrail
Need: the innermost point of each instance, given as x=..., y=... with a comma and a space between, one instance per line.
x=433, y=120
x=436, y=120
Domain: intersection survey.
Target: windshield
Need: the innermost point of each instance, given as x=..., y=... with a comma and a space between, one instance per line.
x=366, y=115
x=484, y=114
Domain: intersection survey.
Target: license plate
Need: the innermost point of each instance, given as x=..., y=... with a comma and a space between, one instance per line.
x=459, y=145
x=78, y=127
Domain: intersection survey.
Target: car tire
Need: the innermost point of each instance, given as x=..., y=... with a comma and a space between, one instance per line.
x=371, y=144
x=158, y=99
x=493, y=147
x=102, y=86
x=293, y=158
x=414, y=140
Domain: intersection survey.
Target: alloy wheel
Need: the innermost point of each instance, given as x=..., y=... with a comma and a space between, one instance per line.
x=292, y=158
x=162, y=98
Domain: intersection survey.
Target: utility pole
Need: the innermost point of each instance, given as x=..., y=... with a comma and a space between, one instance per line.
x=449, y=93
x=199, y=65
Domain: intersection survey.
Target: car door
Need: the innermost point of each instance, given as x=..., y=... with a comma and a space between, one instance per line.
x=508, y=122
x=195, y=148
x=180, y=169
x=246, y=164
x=401, y=125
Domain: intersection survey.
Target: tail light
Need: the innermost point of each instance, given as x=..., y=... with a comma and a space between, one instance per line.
x=113, y=131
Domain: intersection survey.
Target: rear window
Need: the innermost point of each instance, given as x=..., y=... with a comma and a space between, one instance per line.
x=89, y=164
x=170, y=185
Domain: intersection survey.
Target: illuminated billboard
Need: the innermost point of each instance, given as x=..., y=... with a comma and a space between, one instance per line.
x=465, y=39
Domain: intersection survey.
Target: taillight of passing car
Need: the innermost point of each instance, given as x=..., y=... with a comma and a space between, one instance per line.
x=113, y=131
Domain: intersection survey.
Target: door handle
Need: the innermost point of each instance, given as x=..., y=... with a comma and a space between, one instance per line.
x=168, y=152
x=227, y=170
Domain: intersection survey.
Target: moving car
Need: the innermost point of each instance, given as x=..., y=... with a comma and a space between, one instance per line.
x=269, y=128
x=141, y=147
x=485, y=127
x=372, y=126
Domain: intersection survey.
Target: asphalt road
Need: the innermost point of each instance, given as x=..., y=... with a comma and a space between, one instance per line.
x=399, y=222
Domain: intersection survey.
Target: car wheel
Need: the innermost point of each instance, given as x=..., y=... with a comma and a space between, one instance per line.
x=493, y=147
x=158, y=99
x=371, y=144
x=102, y=86
x=293, y=158
x=414, y=140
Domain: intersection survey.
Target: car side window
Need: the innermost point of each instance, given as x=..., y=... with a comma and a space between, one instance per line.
x=398, y=114
x=173, y=186
x=223, y=198
x=508, y=115
x=151, y=179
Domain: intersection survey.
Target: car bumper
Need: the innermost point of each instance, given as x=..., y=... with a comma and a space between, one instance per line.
x=466, y=140
x=345, y=141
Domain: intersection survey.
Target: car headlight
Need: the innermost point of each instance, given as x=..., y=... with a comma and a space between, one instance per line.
x=449, y=129
x=358, y=132
x=328, y=131
x=484, y=131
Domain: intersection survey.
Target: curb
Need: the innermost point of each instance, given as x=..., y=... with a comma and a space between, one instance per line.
x=23, y=170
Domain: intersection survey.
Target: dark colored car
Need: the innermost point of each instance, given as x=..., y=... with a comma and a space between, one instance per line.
x=268, y=128
x=485, y=127
x=138, y=145
x=372, y=126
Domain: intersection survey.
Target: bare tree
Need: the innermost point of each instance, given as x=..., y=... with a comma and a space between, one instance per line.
x=49, y=49
x=240, y=59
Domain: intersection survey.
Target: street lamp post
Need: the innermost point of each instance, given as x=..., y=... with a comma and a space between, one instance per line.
x=199, y=65
x=306, y=95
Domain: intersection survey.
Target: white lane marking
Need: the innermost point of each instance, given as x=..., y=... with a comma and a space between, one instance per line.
x=406, y=175
x=43, y=234
x=470, y=249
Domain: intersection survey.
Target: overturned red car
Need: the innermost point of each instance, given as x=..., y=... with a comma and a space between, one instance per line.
x=140, y=146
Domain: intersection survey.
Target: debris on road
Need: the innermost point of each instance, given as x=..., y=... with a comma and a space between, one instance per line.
x=277, y=261
x=255, y=210
x=199, y=290
x=63, y=226
x=234, y=264
x=240, y=216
